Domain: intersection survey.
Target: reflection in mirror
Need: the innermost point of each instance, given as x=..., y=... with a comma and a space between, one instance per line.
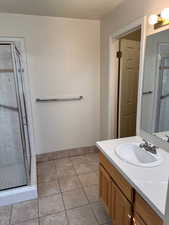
x=155, y=94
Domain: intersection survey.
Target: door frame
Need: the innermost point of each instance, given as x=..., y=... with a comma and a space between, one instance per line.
x=112, y=115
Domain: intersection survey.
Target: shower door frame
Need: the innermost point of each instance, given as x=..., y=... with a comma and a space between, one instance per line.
x=19, y=43
x=22, y=106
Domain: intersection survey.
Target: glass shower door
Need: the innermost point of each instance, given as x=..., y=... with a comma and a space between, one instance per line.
x=13, y=171
x=23, y=109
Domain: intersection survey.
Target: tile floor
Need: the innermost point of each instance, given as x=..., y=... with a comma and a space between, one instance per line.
x=68, y=195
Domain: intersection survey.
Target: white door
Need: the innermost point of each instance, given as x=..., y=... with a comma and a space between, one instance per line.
x=128, y=87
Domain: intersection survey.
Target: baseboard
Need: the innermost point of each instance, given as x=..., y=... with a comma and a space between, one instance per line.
x=66, y=153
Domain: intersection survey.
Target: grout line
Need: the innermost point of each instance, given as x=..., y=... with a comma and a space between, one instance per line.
x=68, y=223
x=23, y=221
x=67, y=220
x=50, y=214
x=88, y=200
x=81, y=183
x=38, y=207
x=94, y=214
x=10, y=215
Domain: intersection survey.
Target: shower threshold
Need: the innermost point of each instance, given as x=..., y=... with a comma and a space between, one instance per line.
x=12, y=176
x=23, y=193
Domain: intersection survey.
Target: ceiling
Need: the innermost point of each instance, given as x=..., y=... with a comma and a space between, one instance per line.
x=87, y=9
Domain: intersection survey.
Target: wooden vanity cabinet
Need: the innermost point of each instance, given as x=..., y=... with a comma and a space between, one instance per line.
x=122, y=202
x=105, y=188
x=116, y=204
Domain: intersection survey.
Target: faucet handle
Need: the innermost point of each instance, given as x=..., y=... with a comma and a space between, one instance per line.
x=154, y=149
x=145, y=142
x=142, y=145
x=167, y=136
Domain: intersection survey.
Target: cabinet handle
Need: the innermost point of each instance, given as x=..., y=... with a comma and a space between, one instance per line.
x=129, y=216
x=134, y=221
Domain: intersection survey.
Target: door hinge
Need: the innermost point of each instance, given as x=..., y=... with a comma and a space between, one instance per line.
x=119, y=54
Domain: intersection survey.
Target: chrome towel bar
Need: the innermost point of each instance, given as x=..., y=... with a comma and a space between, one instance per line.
x=147, y=92
x=58, y=99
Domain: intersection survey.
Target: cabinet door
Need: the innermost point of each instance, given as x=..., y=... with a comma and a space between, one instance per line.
x=105, y=188
x=144, y=210
x=137, y=220
x=120, y=207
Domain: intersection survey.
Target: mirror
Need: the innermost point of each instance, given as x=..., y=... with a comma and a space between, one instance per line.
x=155, y=92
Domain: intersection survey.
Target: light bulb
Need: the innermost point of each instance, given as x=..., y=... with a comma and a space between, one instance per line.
x=153, y=19
x=165, y=14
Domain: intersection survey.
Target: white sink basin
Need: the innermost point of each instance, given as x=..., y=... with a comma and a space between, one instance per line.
x=133, y=154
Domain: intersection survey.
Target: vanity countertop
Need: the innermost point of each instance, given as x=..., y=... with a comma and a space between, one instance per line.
x=151, y=183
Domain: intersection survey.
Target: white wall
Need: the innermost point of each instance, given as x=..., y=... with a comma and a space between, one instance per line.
x=63, y=60
x=121, y=16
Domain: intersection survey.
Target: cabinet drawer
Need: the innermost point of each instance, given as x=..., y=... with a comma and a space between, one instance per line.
x=148, y=215
x=125, y=187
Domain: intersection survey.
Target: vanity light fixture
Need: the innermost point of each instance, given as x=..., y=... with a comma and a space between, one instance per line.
x=159, y=20
x=165, y=14
x=153, y=19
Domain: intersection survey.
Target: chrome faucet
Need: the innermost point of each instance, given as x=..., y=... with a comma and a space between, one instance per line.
x=148, y=147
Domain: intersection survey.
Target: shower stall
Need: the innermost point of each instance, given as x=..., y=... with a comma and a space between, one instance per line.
x=15, y=146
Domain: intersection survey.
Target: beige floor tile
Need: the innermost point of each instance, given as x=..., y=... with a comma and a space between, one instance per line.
x=82, y=167
x=63, y=163
x=93, y=157
x=89, y=179
x=50, y=205
x=74, y=198
x=45, y=165
x=24, y=211
x=5, y=215
x=100, y=213
x=81, y=216
x=46, y=172
x=64, y=167
x=54, y=219
x=68, y=183
x=48, y=188
x=29, y=222
x=85, y=164
x=94, y=166
x=92, y=193
x=66, y=171
x=78, y=159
